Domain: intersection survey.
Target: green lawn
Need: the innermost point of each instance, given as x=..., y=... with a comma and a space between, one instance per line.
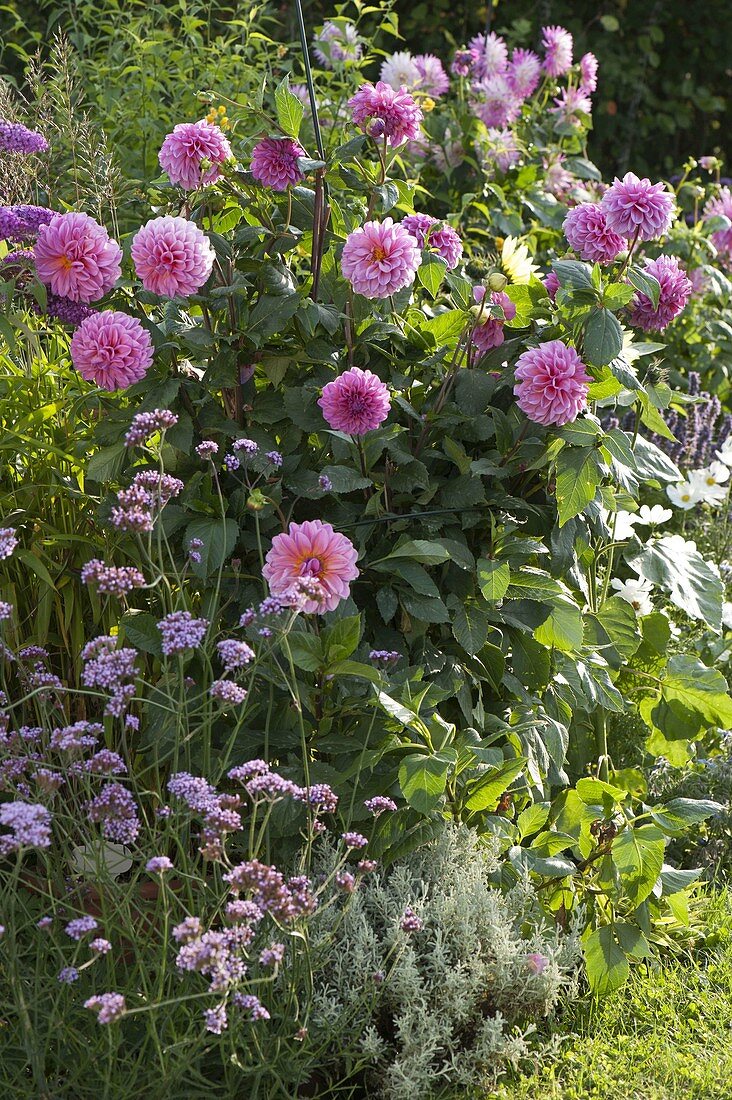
x=666, y=1036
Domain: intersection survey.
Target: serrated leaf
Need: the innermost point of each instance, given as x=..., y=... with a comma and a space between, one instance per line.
x=607, y=966
x=578, y=475
x=603, y=337
x=485, y=792
x=493, y=579
x=638, y=856
x=219, y=539
x=680, y=570
x=423, y=778
x=431, y=272
x=470, y=628
x=645, y=283
x=289, y=109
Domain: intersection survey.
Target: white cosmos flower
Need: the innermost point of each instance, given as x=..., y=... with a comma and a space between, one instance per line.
x=624, y=522
x=653, y=517
x=685, y=495
x=636, y=592
x=710, y=486
x=727, y=614
x=400, y=69
x=725, y=453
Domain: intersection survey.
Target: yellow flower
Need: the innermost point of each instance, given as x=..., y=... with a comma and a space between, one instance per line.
x=516, y=261
x=113, y=631
x=428, y=104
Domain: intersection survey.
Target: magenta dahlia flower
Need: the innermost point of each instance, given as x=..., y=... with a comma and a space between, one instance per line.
x=570, y=105
x=523, y=73
x=552, y=384
x=637, y=208
x=76, y=257
x=434, y=80
x=312, y=552
x=172, y=257
x=356, y=402
x=274, y=162
x=187, y=147
x=588, y=72
x=558, y=45
x=676, y=290
x=112, y=350
x=491, y=54
x=380, y=258
x=382, y=112
x=490, y=334
x=586, y=229
x=721, y=238
x=432, y=233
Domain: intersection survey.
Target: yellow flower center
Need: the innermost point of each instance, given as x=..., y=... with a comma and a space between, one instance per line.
x=379, y=253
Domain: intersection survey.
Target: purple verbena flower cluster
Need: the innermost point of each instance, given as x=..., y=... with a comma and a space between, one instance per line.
x=181, y=632
x=116, y=810
x=110, y=670
x=29, y=824
x=112, y=580
x=146, y=424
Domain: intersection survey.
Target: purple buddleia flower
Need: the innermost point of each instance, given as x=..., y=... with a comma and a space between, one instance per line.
x=16, y=138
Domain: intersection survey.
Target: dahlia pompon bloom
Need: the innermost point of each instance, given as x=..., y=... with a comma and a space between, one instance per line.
x=75, y=256
x=172, y=257
x=380, y=258
x=675, y=292
x=383, y=112
x=587, y=232
x=312, y=550
x=637, y=208
x=400, y=71
x=552, y=384
x=557, y=43
x=490, y=334
x=274, y=162
x=16, y=138
x=356, y=402
x=716, y=207
x=432, y=233
x=190, y=145
x=112, y=350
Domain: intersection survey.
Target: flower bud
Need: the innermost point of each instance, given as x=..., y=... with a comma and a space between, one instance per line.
x=497, y=282
x=256, y=500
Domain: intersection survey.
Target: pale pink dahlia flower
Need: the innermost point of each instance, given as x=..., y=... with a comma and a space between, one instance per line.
x=430, y=232
x=552, y=384
x=503, y=149
x=172, y=257
x=494, y=103
x=112, y=350
x=337, y=42
x=523, y=73
x=676, y=290
x=382, y=112
x=636, y=207
x=587, y=231
x=551, y=284
x=356, y=402
x=721, y=238
x=490, y=334
x=558, y=44
x=491, y=54
x=588, y=72
x=570, y=105
x=187, y=146
x=76, y=257
x=274, y=162
x=434, y=80
x=312, y=552
x=380, y=258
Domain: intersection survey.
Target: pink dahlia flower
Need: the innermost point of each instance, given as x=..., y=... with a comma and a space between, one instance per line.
x=523, y=73
x=172, y=257
x=76, y=257
x=676, y=290
x=721, y=238
x=503, y=149
x=553, y=383
x=356, y=402
x=491, y=54
x=184, y=150
x=112, y=350
x=382, y=112
x=551, y=285
x=637, y=208
x=380, y=258
x=337, y=42
x=588, y=72
x=434, y=80
x=274, y=162
x=558, y=44
x=432, y=233
x=587, y=231
x=312, y=553
x=489, y=334
x=494, y=103
x=570, y=105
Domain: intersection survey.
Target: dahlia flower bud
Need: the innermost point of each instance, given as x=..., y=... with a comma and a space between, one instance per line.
x=497, y=281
